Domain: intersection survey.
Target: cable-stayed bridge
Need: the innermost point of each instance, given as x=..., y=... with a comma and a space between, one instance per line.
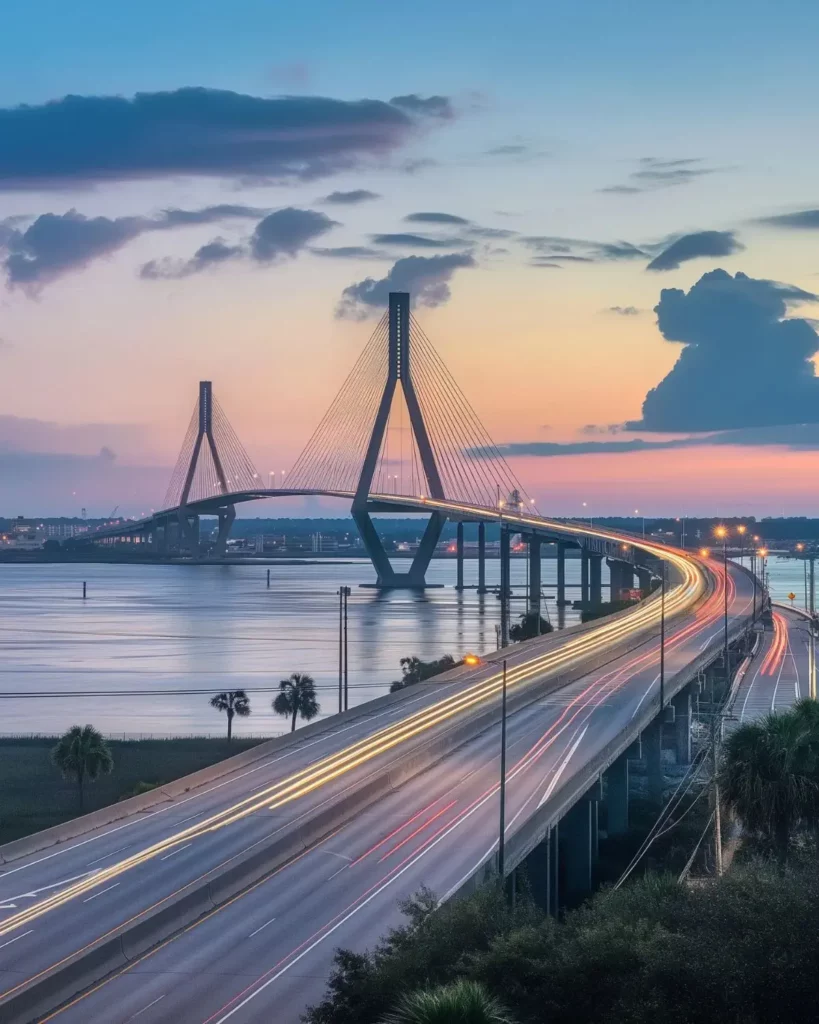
x=400, y=436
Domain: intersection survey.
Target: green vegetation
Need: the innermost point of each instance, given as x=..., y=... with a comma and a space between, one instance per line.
x=528, y=627
x=81, y=754
x=416, y=671
x=462, y=1002
x=34, y=796
x=232, y=702
x=741, y=949
x=297, y=698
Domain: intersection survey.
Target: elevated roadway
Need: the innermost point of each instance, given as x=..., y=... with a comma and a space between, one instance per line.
x=572, y=698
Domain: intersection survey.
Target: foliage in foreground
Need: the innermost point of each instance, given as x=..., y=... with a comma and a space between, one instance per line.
x=80, y=754
x=416, y=671
x=528, y=627
x=741, y=949
x=462, y=1002
x=297, y=698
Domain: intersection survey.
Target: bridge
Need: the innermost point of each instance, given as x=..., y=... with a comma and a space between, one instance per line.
x=221, y=897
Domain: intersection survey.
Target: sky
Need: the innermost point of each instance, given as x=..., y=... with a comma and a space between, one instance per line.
x=607, y=215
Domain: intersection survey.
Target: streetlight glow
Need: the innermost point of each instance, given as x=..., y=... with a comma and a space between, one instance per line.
x=721, y=532
x=471, y=659
x=705, y=552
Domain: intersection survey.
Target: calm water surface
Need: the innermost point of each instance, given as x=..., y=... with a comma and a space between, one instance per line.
x=145, y=630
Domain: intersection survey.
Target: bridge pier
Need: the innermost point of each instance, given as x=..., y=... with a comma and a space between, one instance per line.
x=459, y=547
x=584, y=576
x=682, y=726
x=226, y=518
x=505, y=567
x=543, y=872
x=534, y=575
x=580, y=832
x=617, y=796
x=561, y=573
x=188, y=533
x=481, y=558
x=595, y=580
x=622, y=578
x=386, y=576
x=644, y=581
x=652, y=744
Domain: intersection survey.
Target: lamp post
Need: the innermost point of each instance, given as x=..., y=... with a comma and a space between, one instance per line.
x=502, y=833
x=638, y=513
x=763, y=555
x=591, y=518
x=662, y=640
x=721, y=532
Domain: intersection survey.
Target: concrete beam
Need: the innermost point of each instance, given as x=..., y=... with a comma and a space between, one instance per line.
x=617, y=797
x=682, y=726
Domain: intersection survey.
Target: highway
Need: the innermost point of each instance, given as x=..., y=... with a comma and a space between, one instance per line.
x=782, y=671
x=266, y=954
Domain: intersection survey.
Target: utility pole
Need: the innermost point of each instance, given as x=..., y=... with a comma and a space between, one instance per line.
x=340, y=650
x=502, y=833
x=717, y=812
x=662, y=642
x=346, y=592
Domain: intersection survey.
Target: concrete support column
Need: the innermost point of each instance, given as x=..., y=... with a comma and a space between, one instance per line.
x=644, y=581
x=595, y=580
x=481, y=558
x=578, y=834
x=682, y=726
x=504, y=585
x=459, y=546
x=652, y=743
x=561, y=574
x=534, y=574
x=617, y=796
x=226, y=517
x=542, y=867
x=584, y=576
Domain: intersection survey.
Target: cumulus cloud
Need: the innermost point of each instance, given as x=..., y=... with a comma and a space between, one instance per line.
x=414, y=241
x=357, y=195
x=799, y=220
x=431, y=106
x=81, y=140
x=286, y=231
x=209, y=255
x=695, y=245
x=742, y=365
x=426, y=278
x=435, y=218
x=56, y=244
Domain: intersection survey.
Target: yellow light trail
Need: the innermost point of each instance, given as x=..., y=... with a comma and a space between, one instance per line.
x=324, y=771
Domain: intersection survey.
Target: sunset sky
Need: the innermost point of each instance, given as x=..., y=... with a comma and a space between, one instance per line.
x=269, y=171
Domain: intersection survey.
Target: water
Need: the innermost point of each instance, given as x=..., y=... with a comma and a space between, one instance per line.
x=786, y=576
x=146, y=630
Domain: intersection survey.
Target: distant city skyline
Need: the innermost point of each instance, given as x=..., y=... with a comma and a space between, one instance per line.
x=572, y=211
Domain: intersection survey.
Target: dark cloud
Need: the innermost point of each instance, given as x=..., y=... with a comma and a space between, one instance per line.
x=624, y=310
x=417, y=241
x=544, y=261
x=435, y=218
x=79, y=140
x=797, y=437
x=658, y=172
x=357, y=195
x=286, y=231
x=479, y=232
x=580, y=250
x=209, y=255
x=56, y=244
x=513, y=149
x=799, y=220
x=353, y=252
x=431, y=106
x=426, y=278
x=742, y=365
x=693, y=246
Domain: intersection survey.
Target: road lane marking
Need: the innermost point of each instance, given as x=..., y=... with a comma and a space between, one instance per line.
x=54, y=885
x=272, y=919
x=335, y=874
x=144, y=1008
x=173, y=853
x=101, y=892
x=16, y=938
x=648, y=691
x=113, y=853
x=564, y=765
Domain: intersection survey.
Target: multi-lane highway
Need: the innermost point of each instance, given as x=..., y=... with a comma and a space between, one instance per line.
x=782, y=670
x=267, y=953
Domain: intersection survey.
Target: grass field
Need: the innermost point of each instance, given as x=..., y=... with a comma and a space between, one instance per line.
x=34, y=795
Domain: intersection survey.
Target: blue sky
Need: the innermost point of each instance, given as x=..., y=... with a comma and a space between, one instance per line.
x=582, y=125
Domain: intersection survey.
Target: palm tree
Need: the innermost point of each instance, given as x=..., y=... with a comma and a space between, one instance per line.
x=769, y=777
x=297, y=698
x=462, y=1002
x=232, y=702
x=82, y=754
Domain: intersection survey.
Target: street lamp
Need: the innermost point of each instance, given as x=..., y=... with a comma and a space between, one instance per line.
x=662, y=640
x=637, y=513
x=763, y=554
x=721, y=532
x=591, y=518
x=502, y=833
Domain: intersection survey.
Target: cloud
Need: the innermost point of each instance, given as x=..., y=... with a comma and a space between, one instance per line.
x=81, y=140
x=357, y=195
x=580, y=250
x=56, y=244
x=512, y=149
x=414, y=165
x=209, y=255
x=624, y=310
x=797, y=437
x=693, y=246
x=353, y=252
x=742, y=365
x=479, y=232
x=426, y=278
x=286, y=231
x=658, y=172
x=418, y=241
x=799, y=220
x=432, y=106
x=544, y=261
x=435, y=218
